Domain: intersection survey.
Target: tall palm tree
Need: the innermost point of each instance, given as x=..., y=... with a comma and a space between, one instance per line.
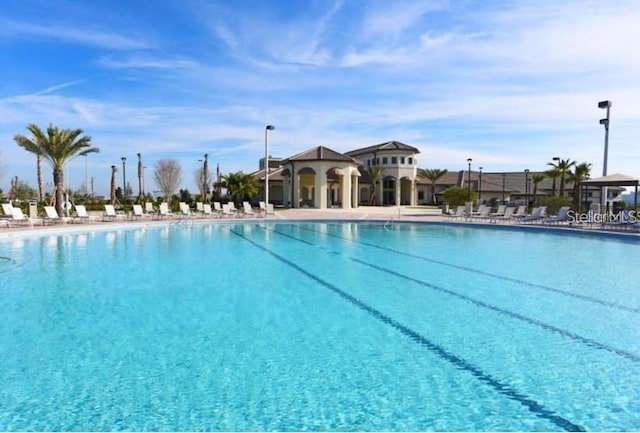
x=57, y=146
x=554, y=174
x=580, y=173
x=40, y=178
x=433, y=174
x=564, y=167
x=375, y=173
x=113, y=184
x=536, y=179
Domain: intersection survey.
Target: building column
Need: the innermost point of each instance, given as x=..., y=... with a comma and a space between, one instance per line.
x=398, y=191
x=285, y=190
x=380, y=192
x=355, y=192
x=296, y=191
x=346, y=191
x=320, y=190
x=414, y=199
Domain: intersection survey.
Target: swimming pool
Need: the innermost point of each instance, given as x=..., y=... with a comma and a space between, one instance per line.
x=319, y=326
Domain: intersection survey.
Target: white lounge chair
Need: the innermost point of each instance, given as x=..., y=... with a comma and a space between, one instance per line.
x=184, y=210
x=81, y=214
x=51, y=215
x=148, y=208
x=561, y=216
x=227, y=212
x=459, y=213
x=19, y=218
x=508, y=213
x=207, y=212
x=521, y=212
x=217, y=207
x=247, y=210
x=139, y=213
x=263, y=207
x=536, y=214
x=110, y=213
x=163, y=210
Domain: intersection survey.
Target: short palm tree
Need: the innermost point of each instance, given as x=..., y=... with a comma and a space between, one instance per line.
x=580, y=173
x=375, y=173
x=433, y=174
x=240, y=186
x=536, y=179
x=58, y=146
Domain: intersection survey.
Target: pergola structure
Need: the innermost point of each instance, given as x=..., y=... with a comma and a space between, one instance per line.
x=615, y=180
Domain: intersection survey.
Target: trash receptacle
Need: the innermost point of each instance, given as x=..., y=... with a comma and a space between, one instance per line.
x=33, y=209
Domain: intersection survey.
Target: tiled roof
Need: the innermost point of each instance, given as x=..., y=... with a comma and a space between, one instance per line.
x=320, y=153
x=389, y=145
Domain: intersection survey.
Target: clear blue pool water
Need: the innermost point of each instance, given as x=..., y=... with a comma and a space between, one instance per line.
x=319, y=326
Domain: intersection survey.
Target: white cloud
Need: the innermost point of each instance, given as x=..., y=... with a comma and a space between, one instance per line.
x=83, y=36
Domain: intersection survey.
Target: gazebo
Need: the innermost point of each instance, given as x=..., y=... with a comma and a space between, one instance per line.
x=615, y=180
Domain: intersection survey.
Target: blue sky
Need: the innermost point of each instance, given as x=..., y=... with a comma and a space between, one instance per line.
x=508, y=83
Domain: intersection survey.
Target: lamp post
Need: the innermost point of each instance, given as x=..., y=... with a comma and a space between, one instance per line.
x=201, y=186
x=139, y=176
x=124, y=179
x=526, y=188
x=469, y=179
x=479, y=184
x=266, y=162
x=605, y=105
x=553, y=185
x=504, y=178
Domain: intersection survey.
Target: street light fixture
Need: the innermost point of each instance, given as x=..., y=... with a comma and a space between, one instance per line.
x=469, y=178
x=124, y=179
x=605, y=105
x=526, y=188
x=266, y=163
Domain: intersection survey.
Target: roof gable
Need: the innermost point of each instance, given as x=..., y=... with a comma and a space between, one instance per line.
x=320, y=153
x=387, y=146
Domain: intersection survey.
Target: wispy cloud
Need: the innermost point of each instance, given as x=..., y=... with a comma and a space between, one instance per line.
x=66, y=33
x=57, y=87
x=146, y=62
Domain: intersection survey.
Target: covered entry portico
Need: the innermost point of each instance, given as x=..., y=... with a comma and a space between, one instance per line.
x=320, y=178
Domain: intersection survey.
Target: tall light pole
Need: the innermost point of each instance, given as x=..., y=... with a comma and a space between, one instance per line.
x=266, y=162
x=201, y=186
x=605, y=105
x=479, y=184
x=553, y=185
x=143, y=167
x=526, y=188
x=139, y=176
x=124, y=179
x=469, y=179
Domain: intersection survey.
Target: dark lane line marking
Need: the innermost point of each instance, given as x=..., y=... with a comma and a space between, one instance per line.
x=502, y=388
x=563, y=332
x=480, y=272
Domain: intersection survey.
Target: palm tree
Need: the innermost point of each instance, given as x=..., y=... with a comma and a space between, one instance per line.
x=536, y=179
x=580, y=173
x=240, y=186
x=563, y=166
x=113, y=184
x=375, y=173
x=554, y=174
x=58, y=147
x=40, y=177
x=433, y=174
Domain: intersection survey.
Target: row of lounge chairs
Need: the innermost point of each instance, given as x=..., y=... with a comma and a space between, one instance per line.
x=506, y=213
x=14, y=217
